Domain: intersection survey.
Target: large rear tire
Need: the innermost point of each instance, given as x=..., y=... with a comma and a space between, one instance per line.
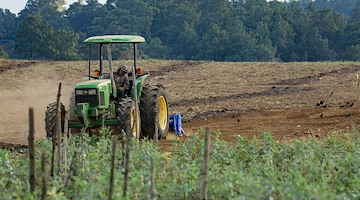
x=154, y=111
x=50, y=119
x=126, y=118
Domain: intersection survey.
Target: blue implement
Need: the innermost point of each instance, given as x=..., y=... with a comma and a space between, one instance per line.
x=175, y=123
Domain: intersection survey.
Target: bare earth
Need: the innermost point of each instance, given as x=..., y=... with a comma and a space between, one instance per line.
x=290, y=100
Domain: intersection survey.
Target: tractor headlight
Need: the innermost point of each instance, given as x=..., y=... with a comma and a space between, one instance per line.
x=92, y=92
x=79, y=92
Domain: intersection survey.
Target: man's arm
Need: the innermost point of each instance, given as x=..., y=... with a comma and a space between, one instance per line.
x=127, y=83
x=122, y=83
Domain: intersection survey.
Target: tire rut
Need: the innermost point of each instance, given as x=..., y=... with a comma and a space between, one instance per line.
x=175, y=67
x=316, y=77
x=12, y=65
x=273, y=91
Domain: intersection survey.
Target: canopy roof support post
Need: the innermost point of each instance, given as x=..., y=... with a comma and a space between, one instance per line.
x=135, y=93
x=89, y=60
x=101, y=58
x=111, y=73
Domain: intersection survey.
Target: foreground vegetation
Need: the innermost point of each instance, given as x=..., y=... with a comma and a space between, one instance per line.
x=249, y=169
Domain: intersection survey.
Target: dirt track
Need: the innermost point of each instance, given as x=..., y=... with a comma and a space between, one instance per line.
x=290, y=100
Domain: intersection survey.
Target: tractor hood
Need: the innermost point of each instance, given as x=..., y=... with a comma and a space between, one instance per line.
x=95, y=92
x=96, y=83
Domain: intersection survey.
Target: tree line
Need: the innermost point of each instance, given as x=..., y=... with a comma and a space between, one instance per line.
x=219, y=30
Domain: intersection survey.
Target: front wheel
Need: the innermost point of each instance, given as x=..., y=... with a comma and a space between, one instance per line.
x=127, y=118
x=50, y=119
x=154, y=111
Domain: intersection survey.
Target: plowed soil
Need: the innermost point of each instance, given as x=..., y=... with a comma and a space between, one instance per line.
x=290, y=100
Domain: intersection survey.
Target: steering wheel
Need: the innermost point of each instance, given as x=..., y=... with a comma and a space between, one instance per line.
x=105, y=76
x=94, y=77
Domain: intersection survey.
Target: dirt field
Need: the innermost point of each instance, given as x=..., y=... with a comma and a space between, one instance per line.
x=290, y=100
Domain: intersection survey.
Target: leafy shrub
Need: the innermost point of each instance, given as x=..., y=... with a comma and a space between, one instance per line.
x=250, y=169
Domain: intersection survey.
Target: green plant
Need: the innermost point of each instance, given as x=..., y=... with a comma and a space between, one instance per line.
x=250, y=169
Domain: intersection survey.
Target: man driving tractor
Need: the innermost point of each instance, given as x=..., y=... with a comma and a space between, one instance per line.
x=122, y=81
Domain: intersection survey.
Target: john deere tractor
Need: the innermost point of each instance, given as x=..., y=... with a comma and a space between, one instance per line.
x=94, y=103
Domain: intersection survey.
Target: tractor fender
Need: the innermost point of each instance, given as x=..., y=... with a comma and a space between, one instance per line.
x=139, y=84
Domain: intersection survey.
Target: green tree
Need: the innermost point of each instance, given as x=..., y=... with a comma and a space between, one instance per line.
x=344, y=7
x=257, y=21
x=353, y=53
x=32, y=38
x=352, y=36
x=212, y=29
x=155, y=49
x=213, y=44
x=139, y=18
x=80, y=17
x=281, y=32
x=64, y=45
x=241, y=45
x=49, y=10
x=183, y=46
x=174, y=23
x=3, y=54
x=128, y=20
x=282, y=36
x=58, y=4
x=257, y=11
x=331, y=26
x=36, y=39
x=233, y=30
x=310, y=45
x=8, y=25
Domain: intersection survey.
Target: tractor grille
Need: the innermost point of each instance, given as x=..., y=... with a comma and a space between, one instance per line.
x=102, y=99
x=93, y=100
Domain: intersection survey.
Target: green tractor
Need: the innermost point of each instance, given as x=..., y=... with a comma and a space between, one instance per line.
x=94, y=103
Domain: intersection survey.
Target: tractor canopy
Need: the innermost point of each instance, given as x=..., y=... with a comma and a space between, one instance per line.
x=106, y=39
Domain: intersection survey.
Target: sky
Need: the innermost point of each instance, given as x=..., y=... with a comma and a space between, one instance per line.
x=15, y=6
